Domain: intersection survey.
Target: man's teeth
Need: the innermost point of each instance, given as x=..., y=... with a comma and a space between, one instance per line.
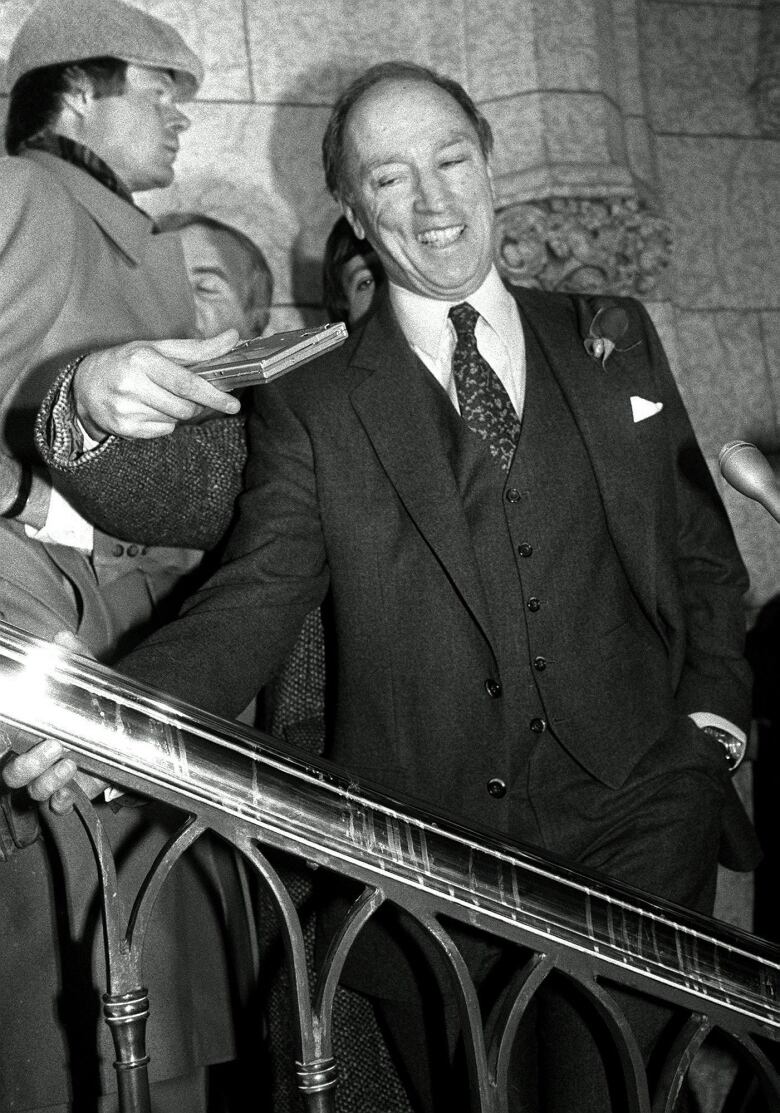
x=440, y=236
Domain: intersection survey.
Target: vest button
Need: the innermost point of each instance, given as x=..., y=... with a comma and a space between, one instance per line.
x=525, y=549
x=513, y=495
x=118, y=550
x=534, y=604
x=132, y=550
x=496, y=787
x=538, y=726
x=540, y=664
x=493, y=688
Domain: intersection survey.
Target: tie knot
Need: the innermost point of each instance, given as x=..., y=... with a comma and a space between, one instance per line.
x=464, y=318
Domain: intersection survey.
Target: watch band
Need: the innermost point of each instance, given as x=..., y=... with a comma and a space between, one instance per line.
x=734, y=749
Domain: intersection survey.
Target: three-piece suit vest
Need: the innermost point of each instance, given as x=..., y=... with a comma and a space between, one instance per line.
x=571, y=640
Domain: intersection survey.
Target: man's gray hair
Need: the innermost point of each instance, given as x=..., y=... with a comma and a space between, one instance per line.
x=333, y=141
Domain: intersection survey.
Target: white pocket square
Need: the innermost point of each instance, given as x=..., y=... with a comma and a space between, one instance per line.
x=641, y=408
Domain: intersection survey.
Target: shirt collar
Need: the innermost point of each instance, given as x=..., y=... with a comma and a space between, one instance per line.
x=424, y=321
x=79, y=155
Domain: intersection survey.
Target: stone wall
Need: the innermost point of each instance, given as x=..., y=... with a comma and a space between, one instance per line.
x=647, y=123
x=719, y=167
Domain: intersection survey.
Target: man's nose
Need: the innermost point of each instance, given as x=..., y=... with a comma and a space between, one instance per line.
x=177, y=120
x=430, y=194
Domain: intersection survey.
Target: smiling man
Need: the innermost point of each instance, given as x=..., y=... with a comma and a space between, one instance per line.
x=535, y=592
x=420, y=191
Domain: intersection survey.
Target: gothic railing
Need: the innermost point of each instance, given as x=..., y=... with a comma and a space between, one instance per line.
x=257, y=794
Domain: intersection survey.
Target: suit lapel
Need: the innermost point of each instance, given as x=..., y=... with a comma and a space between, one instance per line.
x=599, y=398
x=397, y=406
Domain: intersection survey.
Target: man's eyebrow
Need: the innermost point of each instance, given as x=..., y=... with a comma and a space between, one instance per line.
x=401, y=159
x=207, y=268
x=455, y=140
x=378, y=163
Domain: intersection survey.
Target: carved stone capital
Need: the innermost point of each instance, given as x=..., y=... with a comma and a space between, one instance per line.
x=583, y=245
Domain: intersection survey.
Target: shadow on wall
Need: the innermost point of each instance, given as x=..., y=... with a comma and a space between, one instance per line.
x=295, y=159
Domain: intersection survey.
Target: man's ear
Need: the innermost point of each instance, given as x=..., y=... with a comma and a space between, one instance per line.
x=492, y=183
x=353, y=218
x=80, y=92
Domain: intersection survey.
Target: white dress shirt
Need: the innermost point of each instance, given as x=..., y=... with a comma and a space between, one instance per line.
x=499, y=334
x=64, y=526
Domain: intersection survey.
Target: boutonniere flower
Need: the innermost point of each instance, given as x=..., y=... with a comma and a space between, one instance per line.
x=606, y=329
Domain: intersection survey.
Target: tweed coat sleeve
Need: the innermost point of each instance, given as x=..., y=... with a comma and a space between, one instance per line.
x=176, y=490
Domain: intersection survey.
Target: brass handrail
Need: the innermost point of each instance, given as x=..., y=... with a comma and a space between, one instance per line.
x=248, y=787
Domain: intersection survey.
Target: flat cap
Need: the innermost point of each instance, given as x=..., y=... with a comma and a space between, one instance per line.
x=59, y=31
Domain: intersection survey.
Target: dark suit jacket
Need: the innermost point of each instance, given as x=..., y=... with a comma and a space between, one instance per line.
x=350, y=493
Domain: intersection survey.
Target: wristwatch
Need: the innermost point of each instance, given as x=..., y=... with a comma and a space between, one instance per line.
x=734, y=749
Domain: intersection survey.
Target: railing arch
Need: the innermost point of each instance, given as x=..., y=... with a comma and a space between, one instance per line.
x=257, y=795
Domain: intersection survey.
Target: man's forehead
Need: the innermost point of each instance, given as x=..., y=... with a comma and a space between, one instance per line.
x=384, y=113
x=201, y=236
x=215, y=248
x=388, y=100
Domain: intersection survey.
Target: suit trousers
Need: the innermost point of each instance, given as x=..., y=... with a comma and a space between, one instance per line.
x=658, y=832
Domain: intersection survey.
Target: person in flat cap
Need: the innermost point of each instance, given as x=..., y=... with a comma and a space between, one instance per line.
x=95, y=115
x=62, y=32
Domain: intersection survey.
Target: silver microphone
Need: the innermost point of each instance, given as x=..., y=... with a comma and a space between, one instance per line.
x=749, y=472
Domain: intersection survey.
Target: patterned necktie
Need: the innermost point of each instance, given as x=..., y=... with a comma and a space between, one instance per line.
x=484, y=403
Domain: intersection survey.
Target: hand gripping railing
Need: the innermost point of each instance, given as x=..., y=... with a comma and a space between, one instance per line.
x=254, y=792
